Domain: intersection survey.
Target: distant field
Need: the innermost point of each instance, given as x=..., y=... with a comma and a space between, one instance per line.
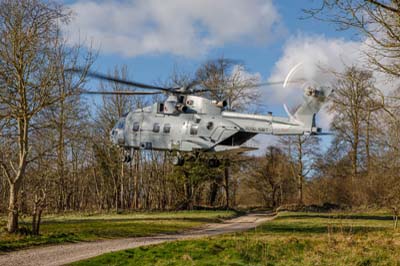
x=290, y=239
x=75, y=228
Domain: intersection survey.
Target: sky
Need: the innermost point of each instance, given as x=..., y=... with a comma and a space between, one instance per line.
x=152, y=37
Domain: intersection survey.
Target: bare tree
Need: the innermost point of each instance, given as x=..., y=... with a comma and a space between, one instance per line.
x=350, y=106
x=269, y=176
x=377, y=21
x=227, y=80
x=303, y=152
x=29, y=55
x=112, y=108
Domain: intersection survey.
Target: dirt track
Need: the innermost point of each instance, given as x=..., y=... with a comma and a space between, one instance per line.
x=67, y=253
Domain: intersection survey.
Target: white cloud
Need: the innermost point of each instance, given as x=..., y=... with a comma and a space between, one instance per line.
x=242, y=75
x=179, y=27
x=319, y=56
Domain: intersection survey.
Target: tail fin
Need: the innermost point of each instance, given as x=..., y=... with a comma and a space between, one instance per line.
x=313, y=101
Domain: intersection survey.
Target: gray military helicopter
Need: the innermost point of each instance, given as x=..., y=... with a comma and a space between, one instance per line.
x=186, y=123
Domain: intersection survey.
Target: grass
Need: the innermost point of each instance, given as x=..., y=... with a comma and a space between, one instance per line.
x=75, y=228
x=291, y=239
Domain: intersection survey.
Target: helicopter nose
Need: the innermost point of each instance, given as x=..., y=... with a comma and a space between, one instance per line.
x=112, y=136
x=117, y=137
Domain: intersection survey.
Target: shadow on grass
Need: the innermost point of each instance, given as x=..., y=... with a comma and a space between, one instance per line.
x=338, y=216
x=317, y=229
x=183, y=219
x=30, y=241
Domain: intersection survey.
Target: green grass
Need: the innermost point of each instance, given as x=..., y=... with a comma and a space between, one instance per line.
x=75, y=228
x=290, y=239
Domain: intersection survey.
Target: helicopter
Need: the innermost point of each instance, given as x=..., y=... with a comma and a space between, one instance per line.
x=188, y=123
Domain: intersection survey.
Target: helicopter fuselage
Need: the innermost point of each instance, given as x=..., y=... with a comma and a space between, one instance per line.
x=202, y=125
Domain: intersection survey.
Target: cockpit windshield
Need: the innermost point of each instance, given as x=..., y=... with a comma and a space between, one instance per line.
x=121, y=123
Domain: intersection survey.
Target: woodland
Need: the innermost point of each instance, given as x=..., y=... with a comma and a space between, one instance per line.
x=56, y=155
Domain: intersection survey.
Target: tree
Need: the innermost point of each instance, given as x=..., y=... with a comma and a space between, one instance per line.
x=302, y=151
x=227, y=80
x=112, y=108
x=377, y=21
x=270, y=176
x=30, y=43
x=191, y=176
x=350, y=106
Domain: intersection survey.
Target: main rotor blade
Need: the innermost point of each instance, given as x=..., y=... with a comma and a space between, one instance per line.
x=263, y=84
x=276, y=83
x=120, y=92
x=118, y=80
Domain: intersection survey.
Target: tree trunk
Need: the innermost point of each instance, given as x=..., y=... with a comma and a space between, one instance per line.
x=12, y=223
x=39, y=219
x=188, y=193
x=226, y=176
x=367, y=143
x=136, y=180
x=354, y=153
x=273, y=197
x=300, y=177
x=121, y=195
x=36, y=217
x=213, y=193
x=300, y=189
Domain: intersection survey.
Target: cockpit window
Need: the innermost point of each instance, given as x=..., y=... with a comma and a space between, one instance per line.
x=167, y=128
x=121, y=124
x=194, y=129
x=156, y=127
x=136, y=126
x=161, y=107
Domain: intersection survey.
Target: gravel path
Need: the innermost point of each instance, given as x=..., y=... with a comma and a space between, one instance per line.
x=67, y=253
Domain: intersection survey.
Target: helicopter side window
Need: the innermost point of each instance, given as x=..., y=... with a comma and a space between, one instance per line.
x=167, y=128
x=136, y=126
x=156, y=127
x=194, y=129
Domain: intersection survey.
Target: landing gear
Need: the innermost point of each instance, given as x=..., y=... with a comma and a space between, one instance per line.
x=177, y=160
x=127, y=157
x=213, y=163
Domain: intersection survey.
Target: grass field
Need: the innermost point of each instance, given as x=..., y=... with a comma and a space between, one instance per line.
x=290, y=239
x=75, y=228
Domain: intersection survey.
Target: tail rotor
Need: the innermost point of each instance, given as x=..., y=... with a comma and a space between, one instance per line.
x=314, y=96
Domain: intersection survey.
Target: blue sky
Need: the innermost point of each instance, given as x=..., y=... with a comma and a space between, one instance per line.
x=258, y=57
x=152, y=37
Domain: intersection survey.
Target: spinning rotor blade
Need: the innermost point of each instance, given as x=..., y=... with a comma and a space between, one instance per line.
x=120, y=92
x=178, y=90
x=121, y=81
x=272, y=83
x=276, y=83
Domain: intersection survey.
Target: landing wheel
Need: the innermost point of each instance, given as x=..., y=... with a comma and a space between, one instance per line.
x=127, y=156
x=127, y=159
x=177, y=160
x=213, y=163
